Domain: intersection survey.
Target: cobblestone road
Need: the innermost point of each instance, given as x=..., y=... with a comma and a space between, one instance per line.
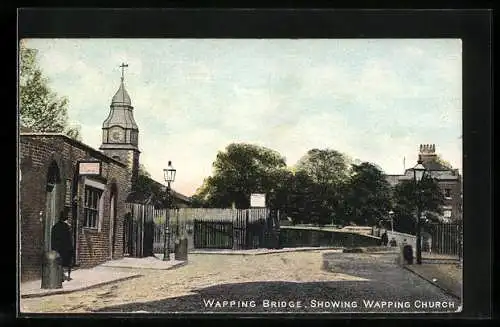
x=285, y=282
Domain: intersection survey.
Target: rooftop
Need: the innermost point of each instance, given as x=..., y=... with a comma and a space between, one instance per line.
x=96, y=153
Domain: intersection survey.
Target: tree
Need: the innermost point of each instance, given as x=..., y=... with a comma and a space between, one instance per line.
x=407, y=196
x=200, y=197
x=147, y=188
x=300, y=198
x=443, y=162
x=240, y=170
x=368, y=197
x=328, y=172
x=41, y=109
x=325, y=166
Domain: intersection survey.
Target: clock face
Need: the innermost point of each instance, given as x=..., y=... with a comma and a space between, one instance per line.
x=116, y=135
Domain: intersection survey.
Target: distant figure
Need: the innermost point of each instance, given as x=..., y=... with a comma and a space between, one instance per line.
x=62, y=243
x=385, y=239
x=392, y=242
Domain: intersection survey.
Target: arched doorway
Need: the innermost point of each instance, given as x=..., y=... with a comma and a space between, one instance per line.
x=51, y=203
x=112, y=220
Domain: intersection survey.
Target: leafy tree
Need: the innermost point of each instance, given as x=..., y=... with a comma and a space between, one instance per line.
x=443, y=162
x=328, y=173
x=300, y=196
x=407, y=196
x=41, y=109
x=240, y=170
x=148, y=189
x=278, y=195
x=201, y=197
x=368, y=197
x=325, y=166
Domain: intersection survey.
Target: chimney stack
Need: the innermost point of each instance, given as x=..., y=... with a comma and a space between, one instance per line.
x=427, y=152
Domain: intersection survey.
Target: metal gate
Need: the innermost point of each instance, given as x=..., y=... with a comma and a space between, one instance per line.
x=213, y=234
x=234, y=229
x=446, y=238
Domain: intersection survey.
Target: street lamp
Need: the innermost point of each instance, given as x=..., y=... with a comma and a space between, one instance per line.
x=418, y=175
x=391, y=216
x=169, y=175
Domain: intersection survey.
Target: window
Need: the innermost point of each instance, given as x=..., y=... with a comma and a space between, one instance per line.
x=447, y=193
x=447, y=213
x=92, y=208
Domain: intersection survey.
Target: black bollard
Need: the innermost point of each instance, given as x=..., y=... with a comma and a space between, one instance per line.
x=181, y=249
x=408, y=254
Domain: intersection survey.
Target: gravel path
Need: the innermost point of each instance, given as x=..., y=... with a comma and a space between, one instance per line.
x=294, y=281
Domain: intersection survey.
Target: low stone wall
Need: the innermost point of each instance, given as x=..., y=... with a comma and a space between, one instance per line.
x=402, y=238
x=310, y=236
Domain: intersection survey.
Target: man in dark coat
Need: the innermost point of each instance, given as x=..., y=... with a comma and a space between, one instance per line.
x=62, y=242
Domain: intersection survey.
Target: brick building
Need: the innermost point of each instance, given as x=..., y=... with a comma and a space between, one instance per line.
x=60, y=174
x=51, y=182
x=448, y=179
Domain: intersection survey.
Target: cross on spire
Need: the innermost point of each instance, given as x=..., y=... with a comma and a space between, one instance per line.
x=123, y=65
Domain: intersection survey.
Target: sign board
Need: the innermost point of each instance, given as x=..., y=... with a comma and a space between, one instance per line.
x=257, y=200
x=92, y=168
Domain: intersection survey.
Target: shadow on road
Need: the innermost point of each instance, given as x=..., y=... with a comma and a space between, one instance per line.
x=347, y=296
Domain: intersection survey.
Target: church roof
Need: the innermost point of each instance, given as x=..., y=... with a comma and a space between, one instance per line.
x=121, y=110
x=121, y=96
x=153, y=196
x=435, y=165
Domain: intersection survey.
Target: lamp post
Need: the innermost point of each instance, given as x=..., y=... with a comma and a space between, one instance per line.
x=169, y=175
x=391, y=216
x=418, y=175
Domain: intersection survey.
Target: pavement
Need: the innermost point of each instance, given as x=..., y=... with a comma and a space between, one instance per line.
x=261, y=251
x=154, y=262
x=83, y=279
x=444, y=272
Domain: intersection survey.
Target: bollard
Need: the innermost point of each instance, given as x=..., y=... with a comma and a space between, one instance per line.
x=277, y=243
x=52, y=272
x=181, y=249
x=408, y=254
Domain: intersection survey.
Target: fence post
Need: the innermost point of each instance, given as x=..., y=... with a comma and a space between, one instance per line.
x=247, y=231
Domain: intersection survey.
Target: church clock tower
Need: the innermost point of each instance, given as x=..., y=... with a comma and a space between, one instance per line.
x=120, y=134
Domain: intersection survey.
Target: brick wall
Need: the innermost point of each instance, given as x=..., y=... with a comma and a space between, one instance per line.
x=37, y=152
x=455, y=201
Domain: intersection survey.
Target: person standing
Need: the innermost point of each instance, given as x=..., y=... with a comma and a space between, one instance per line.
x=62, y=243
x=384, y=239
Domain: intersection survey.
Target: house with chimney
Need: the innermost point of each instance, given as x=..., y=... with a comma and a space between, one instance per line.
x=447, y=177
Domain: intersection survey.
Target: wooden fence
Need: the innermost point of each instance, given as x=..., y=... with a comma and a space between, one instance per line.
x=214, y=228
x=139, y=229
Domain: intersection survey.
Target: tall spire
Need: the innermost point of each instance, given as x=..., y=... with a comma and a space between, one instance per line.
x=121, y=97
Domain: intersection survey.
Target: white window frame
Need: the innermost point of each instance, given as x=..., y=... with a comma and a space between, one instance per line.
x=100, y=213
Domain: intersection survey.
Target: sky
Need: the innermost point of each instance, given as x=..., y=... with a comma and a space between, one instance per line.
x=374, y=100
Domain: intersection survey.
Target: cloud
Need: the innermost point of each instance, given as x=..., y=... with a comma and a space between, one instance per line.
x=374, y=100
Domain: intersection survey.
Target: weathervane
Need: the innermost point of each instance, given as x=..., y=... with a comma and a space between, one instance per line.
x=123, y=65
